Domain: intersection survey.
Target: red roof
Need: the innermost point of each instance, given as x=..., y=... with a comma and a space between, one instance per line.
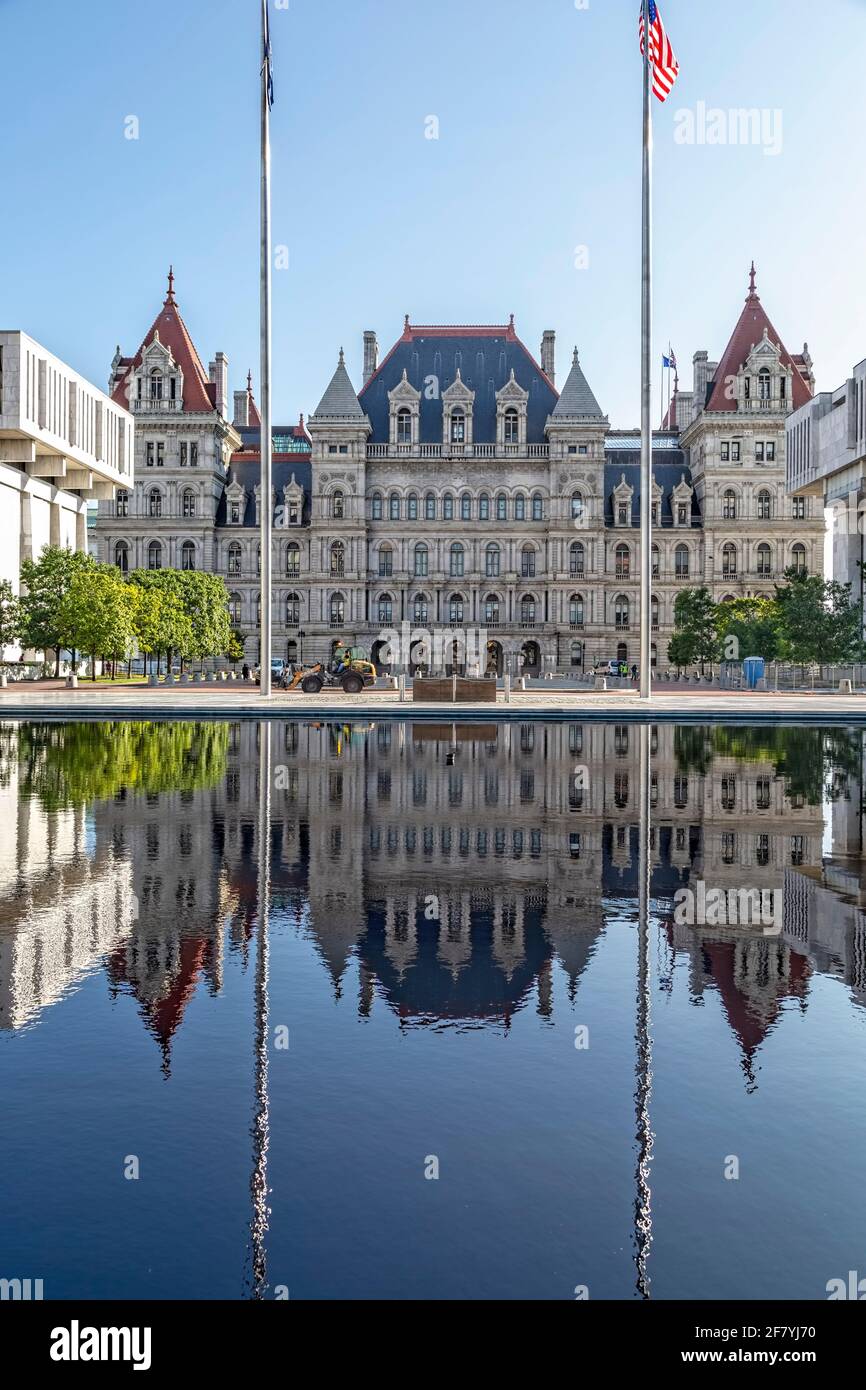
x=747, y=334
x=198, y=391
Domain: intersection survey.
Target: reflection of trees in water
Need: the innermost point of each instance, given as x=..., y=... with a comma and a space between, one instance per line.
x=69, y=764
x=814, y=762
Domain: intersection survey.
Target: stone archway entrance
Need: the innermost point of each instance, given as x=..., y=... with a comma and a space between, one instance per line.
x=495, y=659
x=530, y=659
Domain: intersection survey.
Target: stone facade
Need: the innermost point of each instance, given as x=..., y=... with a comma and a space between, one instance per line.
x=459, y=495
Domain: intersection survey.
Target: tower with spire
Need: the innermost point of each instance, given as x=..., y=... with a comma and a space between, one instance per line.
x=732, y=427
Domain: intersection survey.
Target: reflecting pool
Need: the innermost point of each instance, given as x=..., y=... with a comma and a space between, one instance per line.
x=406, y=1010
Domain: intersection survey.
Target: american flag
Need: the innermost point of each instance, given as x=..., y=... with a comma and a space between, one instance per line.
x=662, y=58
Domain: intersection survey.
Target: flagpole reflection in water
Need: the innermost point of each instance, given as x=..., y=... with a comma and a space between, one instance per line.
x=256, y=1272
x=643, y=1038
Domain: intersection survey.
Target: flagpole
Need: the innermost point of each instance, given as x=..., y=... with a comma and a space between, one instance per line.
x=265, y=491
x=646, y=368
x=662, y=397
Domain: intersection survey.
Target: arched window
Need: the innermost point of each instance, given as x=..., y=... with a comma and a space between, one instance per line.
x=681, y=562
x=765, y=560
x=527, y=610
x=798, y=555
x=258, y=610
x=501, y=507
x=338, y=506
x=156, y=385
x=187, y=556
x=458, y=560
x=512, y=426
x=258, y=559
x=154, y=556
x=337, y=610
x=154, y=502
x=293, y=561
x=338, y=559
x=386, y=562
x=765, y=384
x=458, y=427
x=455, y=608
x=422, y=562
x=654, y=611
x=764, y=506
x=656, y=559
x=576, y=558
x=484, y=507
x=394, y=506
x=465, y=507
x=622, y=612
x=577, y=506
x=121, y=557
x=419, y=608
x=412, y=507
x=537, y=507
x=121, y=505
x=234, y=607
x=623, y=562
x=492, y=561
x=577, y=655
x=491, y=610
x=235, y=558
x=520, y=507
x=576, y=610
x=448, y=507
x=404, y=426
x=189, y=502
x=376, y=511
x=293, y=610
x=729, y=558
x=386, y=608
x=729, y=505
x=430, y=507
x=527, y=562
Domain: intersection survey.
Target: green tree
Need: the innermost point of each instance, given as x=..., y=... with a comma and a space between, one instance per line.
x=205, y=599
x=695, y=639
x=97, y=613
x=165, y=626
x=44, y=584
x=234, y=651
x=818, y=620
x=10, y=617
x=751, y=623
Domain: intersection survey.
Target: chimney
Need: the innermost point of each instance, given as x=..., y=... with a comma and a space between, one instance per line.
x=219, y=375
x=548, y=354
x=242, y=410
x=371, y=354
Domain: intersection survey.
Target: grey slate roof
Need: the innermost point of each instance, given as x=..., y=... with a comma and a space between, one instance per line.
x=339, y=401
x=577, y=401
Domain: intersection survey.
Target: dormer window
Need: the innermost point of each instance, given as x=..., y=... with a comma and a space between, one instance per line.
x=765, y=384
x=156, y=386
x=235, y=514
x=623, y=514
x=404, y=426
x=458, y=427
x=512, y=427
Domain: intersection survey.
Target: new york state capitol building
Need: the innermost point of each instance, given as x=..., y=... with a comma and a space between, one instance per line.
x=459, y=488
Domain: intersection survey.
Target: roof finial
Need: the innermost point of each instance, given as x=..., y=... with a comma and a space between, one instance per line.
x=170, y=299
x=406, y=323
x=342, y=358
x=753, y=294
x=249, y=382
x=576, y=359
x=511, y=322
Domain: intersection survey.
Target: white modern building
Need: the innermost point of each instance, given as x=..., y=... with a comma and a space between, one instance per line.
x=827, y=461
x=63, y=442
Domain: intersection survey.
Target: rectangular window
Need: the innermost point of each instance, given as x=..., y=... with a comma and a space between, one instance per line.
x=771, y=451
x=798, y=507
x=184, y=454
x=581, y=449
x=193, y=454
x=759, y=452
x=160, y=454
x=735, y=451
x=149, y=453
x=726, y=451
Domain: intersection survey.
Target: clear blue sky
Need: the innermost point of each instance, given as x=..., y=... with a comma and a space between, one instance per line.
x=539, y=152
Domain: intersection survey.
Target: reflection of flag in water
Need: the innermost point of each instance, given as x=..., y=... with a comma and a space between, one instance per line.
x=663, y=60
x=266, y=57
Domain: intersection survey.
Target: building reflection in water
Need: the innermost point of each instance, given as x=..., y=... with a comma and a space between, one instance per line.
x=455, y=866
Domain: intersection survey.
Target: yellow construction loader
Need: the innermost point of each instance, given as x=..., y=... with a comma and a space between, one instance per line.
x=351, y=671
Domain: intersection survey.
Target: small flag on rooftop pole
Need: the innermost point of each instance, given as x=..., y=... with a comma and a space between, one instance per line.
x=663, y=60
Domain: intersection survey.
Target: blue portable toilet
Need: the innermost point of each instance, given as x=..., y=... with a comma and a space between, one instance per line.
x=753, y=671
